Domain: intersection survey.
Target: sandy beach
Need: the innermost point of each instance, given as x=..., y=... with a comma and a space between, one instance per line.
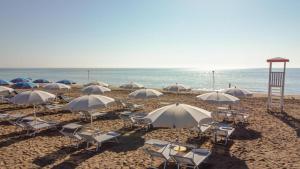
x=270, y=140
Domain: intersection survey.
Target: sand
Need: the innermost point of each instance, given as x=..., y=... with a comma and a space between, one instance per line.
x=270, y=140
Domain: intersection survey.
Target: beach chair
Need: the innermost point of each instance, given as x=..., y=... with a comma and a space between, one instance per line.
x=70, y=131
x=32, y=127
x=162, y=154
x=64, y=99
x=85, y=116
x=192, y=159
x=134, y=107
x=223, y=131
x=201, y=130
x=125, y=117
x=99, y=138
x=241, y=118
x=141, y=122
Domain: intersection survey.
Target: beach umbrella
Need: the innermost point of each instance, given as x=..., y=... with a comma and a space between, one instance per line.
x=19, y=79
x=177, y=88
x=132, y=85
x=179, y=116
x=237, y=92
x=89, y=102
x=4, y=82
x=145, y=94
x=67, y=82
x=95, y=89
x=218, y=98
x=34, y=98
x=5, y=90
x=56, y=86
x=25, y=85
x=41, y=81
x=97, y=83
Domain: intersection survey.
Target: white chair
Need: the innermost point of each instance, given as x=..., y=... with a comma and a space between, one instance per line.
x=192, y=159
x=162, y=154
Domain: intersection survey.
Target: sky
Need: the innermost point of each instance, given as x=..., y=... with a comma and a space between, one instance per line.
x=214, y=34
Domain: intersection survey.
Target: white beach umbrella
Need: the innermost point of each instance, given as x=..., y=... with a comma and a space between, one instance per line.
x=145, y=94
x=218, y=98
x=132, y=85
x=97, y=83
x=57, y=86
x=5, y=90
x=179, y=116
x=34, y=98
x=237, y=92
x=89, y=102
x=95, y=89
x=177, y=88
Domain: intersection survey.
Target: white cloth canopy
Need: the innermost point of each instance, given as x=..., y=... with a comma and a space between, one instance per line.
x=179, y=116
x=5, y=90
x=177, y=88
x=237, y=92
x=218, y=98
x=95, y=89
x=89, y=102
x=97, y=83
x=57, y=86
x=132, y=85
x=34, y=97
x=145, y=94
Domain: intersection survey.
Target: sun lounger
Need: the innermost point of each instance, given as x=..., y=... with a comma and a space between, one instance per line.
x=91, y=115
x=162, y=154
x=241, y=118
x=192, y=159
x=64, y=99
x=70, y=130
x=99, y=138
x=33, y=127
x=130, y=106
x=11, y=118
x=53, y=107
x=201, y=129
x=223, y=131
x=141, y=122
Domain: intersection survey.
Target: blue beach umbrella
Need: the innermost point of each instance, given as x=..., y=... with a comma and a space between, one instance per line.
x=67, y=82
x=20, y=79
x=25, y=85
x=4, y=82
x=41, y=81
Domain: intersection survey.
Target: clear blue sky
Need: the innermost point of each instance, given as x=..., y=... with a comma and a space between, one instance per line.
x=212, y=34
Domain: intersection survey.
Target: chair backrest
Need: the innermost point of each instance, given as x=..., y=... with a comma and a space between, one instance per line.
x=87, y=138
x=185, y=161
x=222, y=132
x=153, y=153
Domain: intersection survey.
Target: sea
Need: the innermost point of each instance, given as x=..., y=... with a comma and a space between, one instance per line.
x=255, y=80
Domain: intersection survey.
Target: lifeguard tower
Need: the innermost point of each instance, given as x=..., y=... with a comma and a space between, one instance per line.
x=276, y=84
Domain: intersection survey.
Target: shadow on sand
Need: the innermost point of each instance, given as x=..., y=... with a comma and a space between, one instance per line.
x=287, y=119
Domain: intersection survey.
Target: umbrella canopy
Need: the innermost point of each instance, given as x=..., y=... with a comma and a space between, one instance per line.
x=179, y=116
x=67, y=82
x=57, y=86
x=237, y=92
x=95, y=89
x=97, y=83
x=218, y=98
x=41, y=81
x=89, y=102
x=4, y=82
x=25, y=85
x=5, y=90
x=132, y=85
x=32, y=97
x=145, y=94
x=19, y=79
x=177, y=88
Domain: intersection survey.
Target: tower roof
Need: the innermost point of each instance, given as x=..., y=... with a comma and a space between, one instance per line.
x=278, y=59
